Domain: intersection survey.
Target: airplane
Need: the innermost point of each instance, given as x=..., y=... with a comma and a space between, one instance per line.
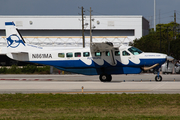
x=103, y=59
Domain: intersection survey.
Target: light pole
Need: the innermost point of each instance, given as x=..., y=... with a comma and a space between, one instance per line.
x=154, y=15
x=90, y=28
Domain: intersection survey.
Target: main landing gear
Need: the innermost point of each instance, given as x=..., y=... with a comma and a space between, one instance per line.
x=105, y=78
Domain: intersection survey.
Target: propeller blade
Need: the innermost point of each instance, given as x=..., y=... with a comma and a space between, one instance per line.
x=167, y=63
x=169, y=58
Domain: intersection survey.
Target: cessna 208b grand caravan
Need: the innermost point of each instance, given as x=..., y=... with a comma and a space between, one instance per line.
x=102, y=59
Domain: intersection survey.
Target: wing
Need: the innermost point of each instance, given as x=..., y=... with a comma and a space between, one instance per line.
x=101, y=47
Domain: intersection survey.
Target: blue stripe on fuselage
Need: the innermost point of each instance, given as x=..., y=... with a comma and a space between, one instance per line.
x=77, y=66
x=81, y=64
x=150, y=62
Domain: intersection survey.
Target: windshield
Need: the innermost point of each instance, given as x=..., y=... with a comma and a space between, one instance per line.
x=135, y=51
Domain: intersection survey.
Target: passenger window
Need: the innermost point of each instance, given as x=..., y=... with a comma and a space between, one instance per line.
x=125, y=53
x=61, y=55
x=117, y=53
x=97, y=53
x=85, y=54
x=78, y=54
x=107, y=53
x=69, y=54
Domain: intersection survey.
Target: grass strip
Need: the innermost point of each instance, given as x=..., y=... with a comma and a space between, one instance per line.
x=89, y=106
x=28, y=69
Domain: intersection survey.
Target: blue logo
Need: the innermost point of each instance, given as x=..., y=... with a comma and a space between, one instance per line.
x=14, y=41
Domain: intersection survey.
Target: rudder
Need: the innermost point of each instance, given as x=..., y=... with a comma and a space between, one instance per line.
x=15, y=41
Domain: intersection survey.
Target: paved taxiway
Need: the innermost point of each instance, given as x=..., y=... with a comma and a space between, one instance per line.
x=72, y=84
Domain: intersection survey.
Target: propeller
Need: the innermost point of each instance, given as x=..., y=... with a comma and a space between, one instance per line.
x=169, y=58
x=167, y=64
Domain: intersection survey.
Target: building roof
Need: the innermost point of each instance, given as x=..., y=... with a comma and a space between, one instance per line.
x=73, y=22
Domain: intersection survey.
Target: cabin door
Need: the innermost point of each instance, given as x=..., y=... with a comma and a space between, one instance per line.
x=113, y=60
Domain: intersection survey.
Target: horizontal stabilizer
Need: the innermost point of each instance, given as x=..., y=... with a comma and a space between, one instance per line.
x=19, y=52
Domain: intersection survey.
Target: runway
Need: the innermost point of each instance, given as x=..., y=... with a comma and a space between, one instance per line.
x=73, y=84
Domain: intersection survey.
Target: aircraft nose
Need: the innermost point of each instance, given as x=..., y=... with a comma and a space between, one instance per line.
x=169, y=58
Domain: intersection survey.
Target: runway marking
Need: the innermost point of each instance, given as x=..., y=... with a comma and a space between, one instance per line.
x=92, y=92
x=9, y=79
x=158, y=86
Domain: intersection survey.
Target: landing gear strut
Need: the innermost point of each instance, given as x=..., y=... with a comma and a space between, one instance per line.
x=105, y=78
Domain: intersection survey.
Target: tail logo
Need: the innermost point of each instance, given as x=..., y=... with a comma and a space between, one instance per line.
x=14, y=41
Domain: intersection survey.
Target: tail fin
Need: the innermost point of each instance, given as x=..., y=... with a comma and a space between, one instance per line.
x=15, y=42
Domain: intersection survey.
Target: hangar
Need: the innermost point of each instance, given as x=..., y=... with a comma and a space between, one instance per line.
x=66, y=31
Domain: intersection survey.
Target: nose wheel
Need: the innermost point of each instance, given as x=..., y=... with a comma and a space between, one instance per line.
x=158, y=78
x=105, y=78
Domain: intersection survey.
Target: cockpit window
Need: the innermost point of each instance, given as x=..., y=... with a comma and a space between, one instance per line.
x=125, y=53
x=135, y=51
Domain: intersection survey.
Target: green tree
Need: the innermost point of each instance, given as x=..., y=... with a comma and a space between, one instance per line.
x=166, y=36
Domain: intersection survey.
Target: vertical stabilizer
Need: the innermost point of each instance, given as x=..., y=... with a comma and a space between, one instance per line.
x=15, y=42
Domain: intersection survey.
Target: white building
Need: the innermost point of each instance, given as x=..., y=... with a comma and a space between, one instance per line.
x=66, y=31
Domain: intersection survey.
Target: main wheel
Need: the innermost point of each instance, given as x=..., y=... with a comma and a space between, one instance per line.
x=158, y=79
x=105, y=78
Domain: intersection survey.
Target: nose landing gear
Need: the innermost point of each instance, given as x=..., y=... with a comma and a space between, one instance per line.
x=158, y=77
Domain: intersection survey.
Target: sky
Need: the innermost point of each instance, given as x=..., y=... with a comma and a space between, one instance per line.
x=164, y=8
